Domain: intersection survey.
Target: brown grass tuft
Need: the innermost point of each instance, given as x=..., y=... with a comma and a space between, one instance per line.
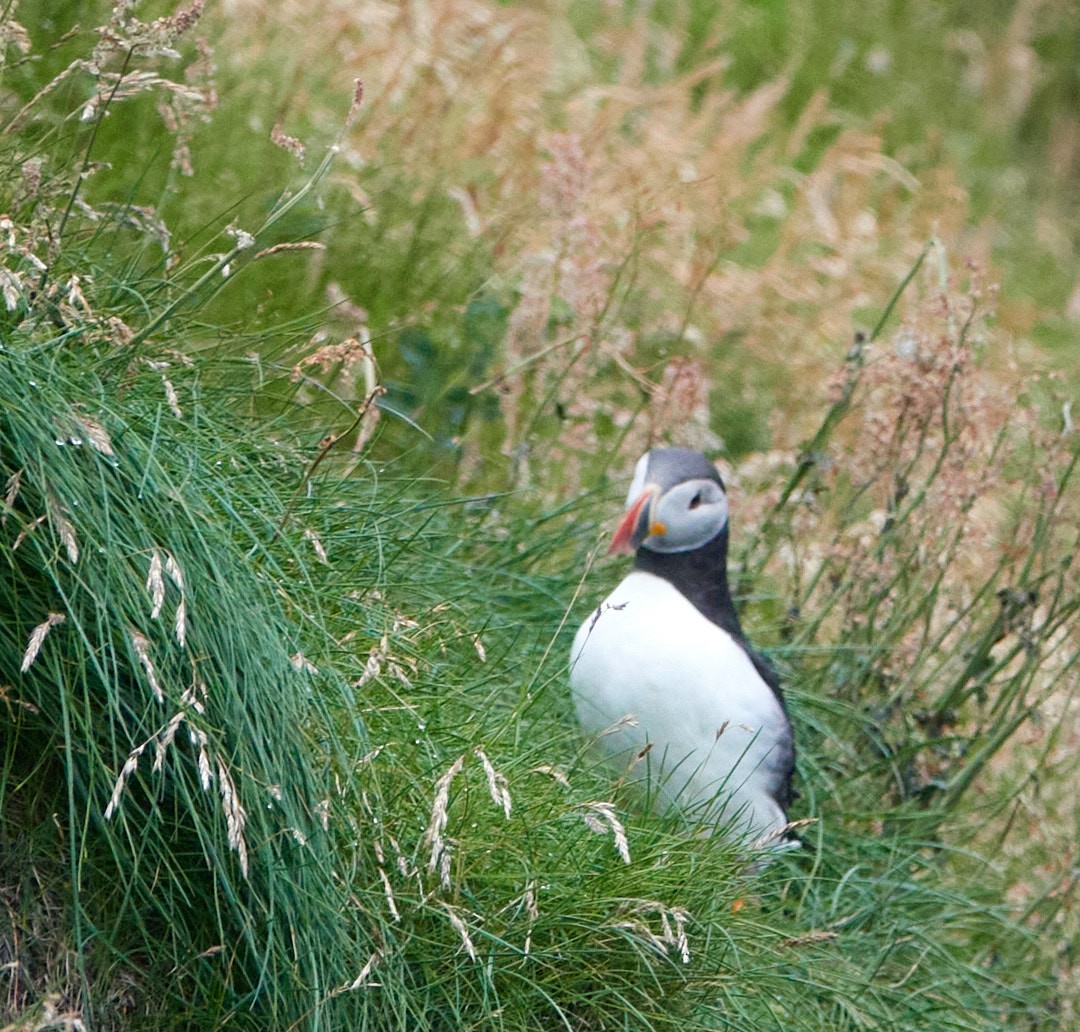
x=617, y=210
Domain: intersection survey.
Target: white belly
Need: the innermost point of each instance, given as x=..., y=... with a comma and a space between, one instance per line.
x=719, y=737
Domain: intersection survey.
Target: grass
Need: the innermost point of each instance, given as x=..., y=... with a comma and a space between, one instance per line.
x=306, y=461
x=162, y=723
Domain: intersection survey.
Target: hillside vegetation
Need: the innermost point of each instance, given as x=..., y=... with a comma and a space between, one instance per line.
x=330, y=333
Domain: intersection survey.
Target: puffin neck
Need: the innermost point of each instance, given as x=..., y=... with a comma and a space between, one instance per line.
x=701, y=575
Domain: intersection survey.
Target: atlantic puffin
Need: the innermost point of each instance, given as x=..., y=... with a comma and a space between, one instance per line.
x=662, y=676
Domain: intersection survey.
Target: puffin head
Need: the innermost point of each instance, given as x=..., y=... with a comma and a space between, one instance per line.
x=677, y=503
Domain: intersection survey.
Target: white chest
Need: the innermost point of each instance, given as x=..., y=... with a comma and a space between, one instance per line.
x=718, y=739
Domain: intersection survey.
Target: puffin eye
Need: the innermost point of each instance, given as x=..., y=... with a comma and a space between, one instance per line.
x=695, y=501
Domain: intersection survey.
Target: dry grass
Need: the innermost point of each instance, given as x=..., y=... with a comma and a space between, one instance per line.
x=673, y=258
x=651, y=250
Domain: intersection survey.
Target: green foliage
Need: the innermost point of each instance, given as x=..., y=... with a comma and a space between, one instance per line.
x=986, y=84
x=284, y=731
x=159, y=717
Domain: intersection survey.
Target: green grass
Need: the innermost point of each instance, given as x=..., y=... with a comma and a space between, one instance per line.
x=426, y=840
x=174, y=878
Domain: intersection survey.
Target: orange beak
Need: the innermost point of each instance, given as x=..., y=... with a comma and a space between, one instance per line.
x=624, y=533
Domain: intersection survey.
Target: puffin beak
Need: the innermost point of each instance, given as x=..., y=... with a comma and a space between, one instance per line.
x=623, y=541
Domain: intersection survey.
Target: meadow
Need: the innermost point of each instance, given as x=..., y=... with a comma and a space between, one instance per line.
x=329, y=336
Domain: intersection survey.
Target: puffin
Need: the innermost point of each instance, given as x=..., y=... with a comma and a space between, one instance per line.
x=664, y=680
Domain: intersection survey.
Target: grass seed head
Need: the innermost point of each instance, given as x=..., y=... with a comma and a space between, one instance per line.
x=433, y=836
x=97, y=435
x=600, y=818
x=235, y=816
x=155, y=584
x=171, y=397
x=141, y=644
x=500, y=792
x=11, y=491
x=37, y=638
x=363, y=980
x=461, y=928
x=64, y=529
x=130, y=766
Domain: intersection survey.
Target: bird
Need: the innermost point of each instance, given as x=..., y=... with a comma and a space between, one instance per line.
x=664, y=680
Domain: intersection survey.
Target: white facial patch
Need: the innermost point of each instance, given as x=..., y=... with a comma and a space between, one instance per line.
x=637, y=485
x=691, y=514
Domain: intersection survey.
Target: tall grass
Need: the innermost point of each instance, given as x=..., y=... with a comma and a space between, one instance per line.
x=169, y=751
x=159, y=729
x=286, y=736
x=659, y=204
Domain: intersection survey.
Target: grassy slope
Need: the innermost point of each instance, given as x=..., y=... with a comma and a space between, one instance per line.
x=903, y=917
